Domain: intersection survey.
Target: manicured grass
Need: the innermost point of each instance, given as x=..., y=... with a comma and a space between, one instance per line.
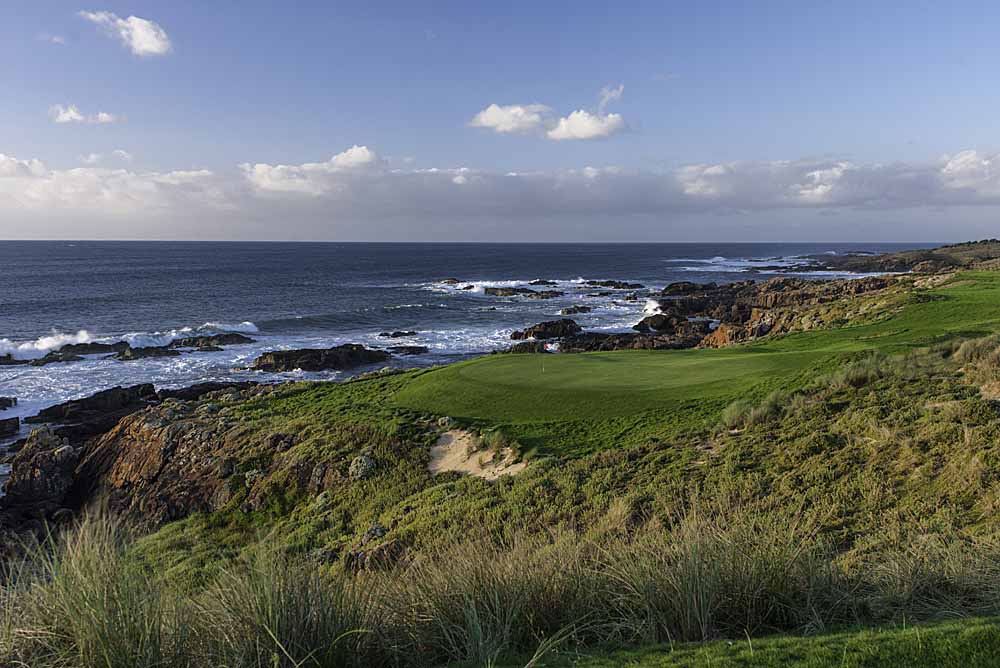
x=971, y=643
x=573, y=404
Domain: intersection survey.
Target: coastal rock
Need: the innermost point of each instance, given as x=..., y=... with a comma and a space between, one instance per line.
x=616, y=285
x=409, y=350
x=131, y=354
x=7, y=402
x=528, y=347
x=83, y=418
x=592, y=342
x=449, y=281
x=197, y=390
x=94, y=348
x=341, y=357
x=542, y=281
x=397, y=334
x=527, y=293
x=9, y=427
x=659, y=322
x=210, y=341
x=551, y=329
x=685, y=288
x=41, y=473
x=573, y=310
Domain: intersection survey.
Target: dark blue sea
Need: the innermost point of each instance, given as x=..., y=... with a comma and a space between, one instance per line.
x=317, y=295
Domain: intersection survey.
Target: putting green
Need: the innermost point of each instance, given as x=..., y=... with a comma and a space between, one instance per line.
x=539, y=395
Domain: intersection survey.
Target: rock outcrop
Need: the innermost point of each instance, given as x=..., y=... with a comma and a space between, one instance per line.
x=42, y=474
x=80, y=419
x=7, y=402
x=211, y=340
x=342, y=357
x=552, y=329
x=527, y=293
x=131, y=354
x=9, y=427
x=573, y=310
x=615, y=285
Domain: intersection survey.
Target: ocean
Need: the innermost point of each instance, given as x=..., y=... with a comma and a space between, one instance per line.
x=298, y=295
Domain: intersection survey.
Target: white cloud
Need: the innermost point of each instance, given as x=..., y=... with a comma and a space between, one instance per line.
x=52, y=39
x=609, y=95
x=580, y=124
x=584, y=125
x=511, y=118
x=11, y=167
x=314, y=178
x=61, y=114
x=70, y=114
x=95, y=158
x=142, y=36
x=356, y=190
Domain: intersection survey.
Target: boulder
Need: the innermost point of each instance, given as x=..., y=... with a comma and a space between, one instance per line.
x=41, y=473
x=341, y=357
x=615, y=285
x=83, y=418
x=552, y=329
x=7, y=402
x=528, y=347
x=211, y=341
x=684, y=288
x=573, y=310
x=131, y=354
x=450, y=281
x=192, y=392
x=397, y=334
x=544, y=294
x=362, y=467
x=542, y=281
x=94, y=348
x=9, y=427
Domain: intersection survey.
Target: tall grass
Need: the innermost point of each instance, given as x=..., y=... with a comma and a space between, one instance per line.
x=717, y=571
x=77, y=601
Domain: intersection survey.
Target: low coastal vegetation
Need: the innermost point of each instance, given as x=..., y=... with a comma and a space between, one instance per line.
x=837, y=486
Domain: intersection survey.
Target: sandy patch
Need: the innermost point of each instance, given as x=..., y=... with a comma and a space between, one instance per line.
x=456, y=450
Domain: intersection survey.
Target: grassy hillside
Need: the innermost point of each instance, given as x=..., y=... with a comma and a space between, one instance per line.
x=973, y=643
x=572, y=404
x=823, y=480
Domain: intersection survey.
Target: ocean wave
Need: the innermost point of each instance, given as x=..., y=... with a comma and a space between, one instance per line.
x=29, y=350
x=40, y=347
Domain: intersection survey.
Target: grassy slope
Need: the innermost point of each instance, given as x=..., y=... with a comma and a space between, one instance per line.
x=965, y=644
x=574, y=404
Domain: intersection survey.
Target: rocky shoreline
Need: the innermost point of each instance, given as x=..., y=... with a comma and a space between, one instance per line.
x=161, y=454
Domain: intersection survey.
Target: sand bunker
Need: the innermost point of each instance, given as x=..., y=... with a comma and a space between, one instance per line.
x=456, y=450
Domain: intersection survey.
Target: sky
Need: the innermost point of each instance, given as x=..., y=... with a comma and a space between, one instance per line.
x=516, y=121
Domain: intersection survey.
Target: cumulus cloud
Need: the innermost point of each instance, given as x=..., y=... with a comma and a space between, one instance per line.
x=609, y=95
x=313, y=178
x=584, y=125
x=29, y=187
x=539, y=118
x=70, y=114
x=142, y=36
x=95, y=158
x=511, y=118
x=357, y=190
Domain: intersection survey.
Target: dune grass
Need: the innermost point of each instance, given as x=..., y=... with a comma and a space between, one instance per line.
x=731, y=571
x=574, y=404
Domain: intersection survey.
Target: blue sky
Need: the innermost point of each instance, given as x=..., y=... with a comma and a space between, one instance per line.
x=886, y=114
